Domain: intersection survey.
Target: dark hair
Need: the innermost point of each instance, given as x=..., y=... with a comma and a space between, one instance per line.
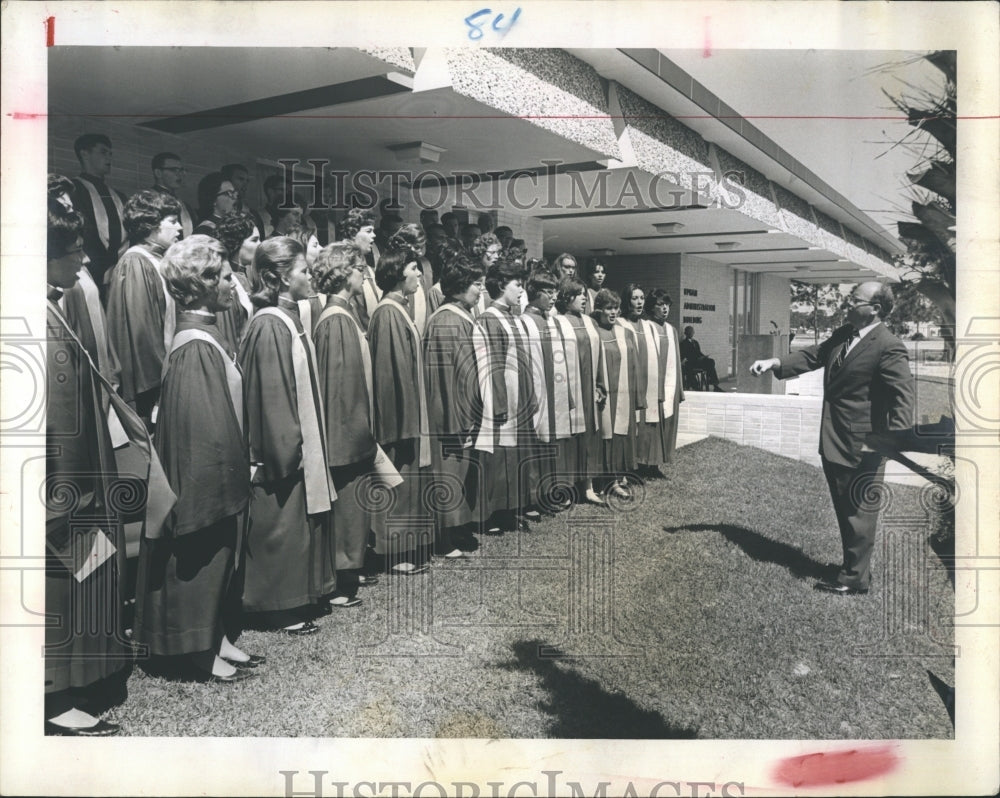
x=655, y=297
x=145, y=210
x=409, y=236
x=458, y=274
x=389, y=219
x=485, y=223
x=538, y=280
x=449, y=216
x=58, y=184
x=208, y=190
x=334, y=265
x=279, y=213
x=569, y=289
x=503, y=228
x=883, y=298
x=626, y=295
x=356, y=219
x=65, y=228
x=442, y=255
x=192, y=267
x=689, y=327
x=235, y=228
x=605, y=299
x=429, y=213
x=499, y=275
x=273, y=260
x=593, y=263
x=272, y=181
x=300, y=233
x=389, y=271
x=231, y=169
x=88, y=141
x=162, y=157
x=484, y=242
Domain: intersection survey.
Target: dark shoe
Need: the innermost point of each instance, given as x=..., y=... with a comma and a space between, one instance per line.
x=100, y=729
x=308, y=628
x=839, y=589
x=254, y=661
x=238, y=676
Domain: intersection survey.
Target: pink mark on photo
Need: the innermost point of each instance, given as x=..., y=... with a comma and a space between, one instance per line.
x=836, y=767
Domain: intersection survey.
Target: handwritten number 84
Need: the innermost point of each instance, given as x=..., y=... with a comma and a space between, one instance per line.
x=475, y=22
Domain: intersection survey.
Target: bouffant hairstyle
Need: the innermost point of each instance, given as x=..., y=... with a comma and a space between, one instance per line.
x=58, y=185
x=656, y=296
x=540, y=279
x=409, y=236
x=65, y=228
x=569, y=289
x=273, y=260
x=356, y=219
x=300, y=233
x=483, y=243
x=191, y=268
x=334, y=265
x=208, y=190
x=231, y=169
x=500, y=275
x=626, y=295
x=233, y=230
x=390, y=268
x=606, y=299
x=145, y=210
x=458, y=274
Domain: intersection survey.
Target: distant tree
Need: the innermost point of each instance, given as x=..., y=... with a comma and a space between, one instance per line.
x=910, y=306
x=821, y=303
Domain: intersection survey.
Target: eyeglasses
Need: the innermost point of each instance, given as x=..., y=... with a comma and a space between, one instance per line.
x=179, y=170
x=852, y=304
x=231, y=193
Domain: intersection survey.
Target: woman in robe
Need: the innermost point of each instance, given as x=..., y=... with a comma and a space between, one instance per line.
x=216, y=198
x=358, y=227
x=618, y=427
x=311, y=307
x=412, y=236
x=291, y=561
x=455, y=405
x=511, y=471
x=85, y=644
x=487, y=248
x=445, y=251
x=596, y=274
x=184, y=599
x=647, y=440
x=141, y=313
x=581, y=455
x=670, y=379
x=345, y=378
x=240, y=236
x=404, y=530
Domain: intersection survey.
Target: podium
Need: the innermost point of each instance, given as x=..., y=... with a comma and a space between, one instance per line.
x=758, y=347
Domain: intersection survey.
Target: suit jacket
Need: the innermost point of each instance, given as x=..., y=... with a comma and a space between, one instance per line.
x=871, y=391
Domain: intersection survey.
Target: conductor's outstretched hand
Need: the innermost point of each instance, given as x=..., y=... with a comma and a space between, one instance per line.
x=761, y=366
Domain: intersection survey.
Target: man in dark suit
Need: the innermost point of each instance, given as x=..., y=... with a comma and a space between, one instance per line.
x=867, y=397
x=693, y=359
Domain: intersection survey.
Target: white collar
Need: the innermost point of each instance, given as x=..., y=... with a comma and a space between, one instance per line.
x=865, y=330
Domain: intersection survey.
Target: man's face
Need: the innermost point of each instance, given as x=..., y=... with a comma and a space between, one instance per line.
x=171, y=175
x=860, y=310
x=98, y=160
x=240, y=180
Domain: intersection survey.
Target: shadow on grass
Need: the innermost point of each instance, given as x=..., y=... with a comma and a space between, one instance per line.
x=582, y=708
x=763, y=549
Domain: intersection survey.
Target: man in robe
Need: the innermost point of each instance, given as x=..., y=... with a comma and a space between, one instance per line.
x=237, y=174
x=168, y=178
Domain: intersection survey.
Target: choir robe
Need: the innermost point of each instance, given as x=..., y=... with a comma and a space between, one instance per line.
x=399, y=416
x=81, y=306
x=233, y=321
x=290, y=559
x=454, y=410
x=418, y=305
x=208, y=226
x=512, y=471
x=648, y=385
x=102, y=208
x=345, y=384
x=582, y=454
x=618, y=425
x=671, y=390
x=84, y=638
x=140, y=318
x=185, y=598
x=366, y=302
x=435, y=298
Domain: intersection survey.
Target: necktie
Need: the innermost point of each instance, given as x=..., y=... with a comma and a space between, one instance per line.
x=838, y=361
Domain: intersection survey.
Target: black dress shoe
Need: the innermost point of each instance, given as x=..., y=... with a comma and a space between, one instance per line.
x=308, y=628
x=100, y=729
x=254, y=661
x=237, y=676
x=839, y=589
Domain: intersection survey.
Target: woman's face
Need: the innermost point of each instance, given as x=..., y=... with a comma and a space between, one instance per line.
x=597, y=278
x=249, y=247
x=355, y=281
x=411, y=277
x=491, y=255
x=365, y=237
x=543, y=300
x=166, y=233
x=471, y=296
x=637, y=302
x=660, y=311
x=512, y=293
x=577, y=304
x=61, y=272
x=297, y=283
x=222, y=297
x=609, y=316
x=312, y=250
x=225, y=198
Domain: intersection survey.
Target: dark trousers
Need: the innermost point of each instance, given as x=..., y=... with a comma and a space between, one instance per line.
x=707, y=365
x=857, y=495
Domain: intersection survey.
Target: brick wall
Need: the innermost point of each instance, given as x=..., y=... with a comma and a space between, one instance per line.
x=712, y=281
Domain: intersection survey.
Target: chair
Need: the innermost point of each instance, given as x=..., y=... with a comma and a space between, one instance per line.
x=695, y=380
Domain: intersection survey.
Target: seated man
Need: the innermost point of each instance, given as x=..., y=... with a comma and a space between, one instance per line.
x=692, y=360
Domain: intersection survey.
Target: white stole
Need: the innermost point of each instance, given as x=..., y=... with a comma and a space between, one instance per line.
x=670, y=375
x=619, y=424
x=508, y=430
x=424, y=449
x=305, y=312
x=650, y=415
x=366, y=355
x=243, y=298
x=559, y=391
x=318, y=482
x=233, y=377
x=595, y=357
x=170, y=307
x=101, y=215
x=371, y=293
x=187, y=223
x=571, y=355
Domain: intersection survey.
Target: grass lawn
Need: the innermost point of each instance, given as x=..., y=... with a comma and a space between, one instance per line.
x=688, y=613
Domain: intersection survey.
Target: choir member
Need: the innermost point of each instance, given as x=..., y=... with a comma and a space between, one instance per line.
x=286, y=219
x=358, y=227
x=669, y=375
x=444, y=252
x=185, y=600
x=404, y=533
x=618, y=371
x=648, y=386
x=470, y=232
x=141, y=312
x=412, y=236
x=290, y=561
x=85, y=643
x=565, y=265
x=345, y=377
x=487, y=249
x=313, y=305
x=239, y=176
x=451, y=224
x=455, y=405
x=581, y=455
x=240, y=236
x=509, y=472
x=216, y=197
x=596, y=274
x=168, y=178
x=505, y=236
